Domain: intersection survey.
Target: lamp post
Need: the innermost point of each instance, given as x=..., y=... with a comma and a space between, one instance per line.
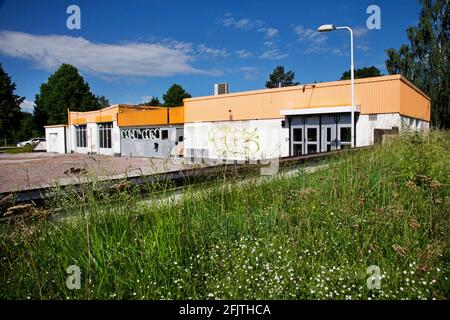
x=331, y=27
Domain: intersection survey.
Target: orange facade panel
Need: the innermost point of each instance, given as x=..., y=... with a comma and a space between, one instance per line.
x=376, y=97
x=372, y=95
x=176, y=115
x=127, y=115
x=142, y=117
x=104, y=118
x=102, y=115
x=76, y=120
x=413, y=103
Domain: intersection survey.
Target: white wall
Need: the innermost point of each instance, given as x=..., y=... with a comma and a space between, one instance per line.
x=115, y=136
x=414, y=124
x=365, y=127
x=237, y=140
x=73, y=140
x=54, y=137
x=93, y=142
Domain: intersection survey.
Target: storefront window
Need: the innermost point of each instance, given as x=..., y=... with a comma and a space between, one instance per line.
x=312, y=134
x=298, y=137
x=346, y=135
x=80, y=132
x=104, y=130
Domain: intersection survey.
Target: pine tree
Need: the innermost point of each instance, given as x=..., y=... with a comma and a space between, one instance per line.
x=279, y=78
x=175, y=95
x=154, y=102
x=362, y=73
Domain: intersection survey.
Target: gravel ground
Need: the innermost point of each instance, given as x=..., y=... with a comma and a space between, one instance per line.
x=35, y=170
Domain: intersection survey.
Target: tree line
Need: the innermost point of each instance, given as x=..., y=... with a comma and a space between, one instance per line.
x=65, y=89
x=424, y=61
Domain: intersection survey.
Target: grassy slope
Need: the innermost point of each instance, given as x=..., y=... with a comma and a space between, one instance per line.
x=308, y=236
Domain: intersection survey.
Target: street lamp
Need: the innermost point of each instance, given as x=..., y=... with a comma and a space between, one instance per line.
x=331, y=27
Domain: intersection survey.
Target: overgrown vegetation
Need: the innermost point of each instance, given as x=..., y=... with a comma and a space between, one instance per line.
x=308, y=236
x=24, y=149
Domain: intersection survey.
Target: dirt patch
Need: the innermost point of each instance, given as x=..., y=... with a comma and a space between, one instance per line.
x=30, y=171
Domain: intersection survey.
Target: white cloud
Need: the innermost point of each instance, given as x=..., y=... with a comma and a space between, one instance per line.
x=185, y=47
x=337, y=51
x=124, y=59
x=243, y=53
x=203, y=49
x=144, y=99
x=309, y=35
x=250, y=73
x=229, y=21
x=269, y=33
x=363, y=47
x=27, y=106
x=274, y=54
x=315, y=41
x=360, y=31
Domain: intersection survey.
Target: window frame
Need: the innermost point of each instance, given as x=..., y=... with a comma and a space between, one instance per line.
x=81, y=135
x=164, y=134
x=105, y=135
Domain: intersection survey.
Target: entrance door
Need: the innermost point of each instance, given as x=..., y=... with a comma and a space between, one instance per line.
x=312, y=134
x=297, y=140
x=53, y=143
x=328, y=138
x=312, y=139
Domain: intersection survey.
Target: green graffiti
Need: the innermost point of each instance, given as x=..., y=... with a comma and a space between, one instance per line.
x=236, y=142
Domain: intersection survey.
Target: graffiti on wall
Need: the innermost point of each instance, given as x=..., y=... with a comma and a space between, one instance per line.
x=140, y=134
x=234, y=142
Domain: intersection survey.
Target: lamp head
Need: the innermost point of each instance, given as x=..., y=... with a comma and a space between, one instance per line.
x=326, y=28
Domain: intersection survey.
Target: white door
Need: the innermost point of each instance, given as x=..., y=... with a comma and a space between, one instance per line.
x=297, y=140
x=53, y=147
x=329, y=136
x=312, y=134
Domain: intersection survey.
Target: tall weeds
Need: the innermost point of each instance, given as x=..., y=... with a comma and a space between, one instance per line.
x=308, y=236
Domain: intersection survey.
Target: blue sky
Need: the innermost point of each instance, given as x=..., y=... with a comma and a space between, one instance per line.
x=132, y=50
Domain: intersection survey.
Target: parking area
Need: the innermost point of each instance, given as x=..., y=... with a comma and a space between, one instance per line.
x=37, y=170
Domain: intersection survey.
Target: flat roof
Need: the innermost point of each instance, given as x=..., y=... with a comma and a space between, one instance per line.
x=314, y=85
x=56, y=126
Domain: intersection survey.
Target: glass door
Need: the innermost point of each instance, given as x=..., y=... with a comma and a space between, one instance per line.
x=328, y=138
x=297, y=141
x=312, y=139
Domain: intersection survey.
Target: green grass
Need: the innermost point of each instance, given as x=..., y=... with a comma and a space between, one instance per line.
x=25, y=149
x=308, y=236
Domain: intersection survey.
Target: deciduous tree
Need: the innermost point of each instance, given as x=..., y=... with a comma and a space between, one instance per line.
x=65, y=89
x=10, y=113
x=425, y=61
